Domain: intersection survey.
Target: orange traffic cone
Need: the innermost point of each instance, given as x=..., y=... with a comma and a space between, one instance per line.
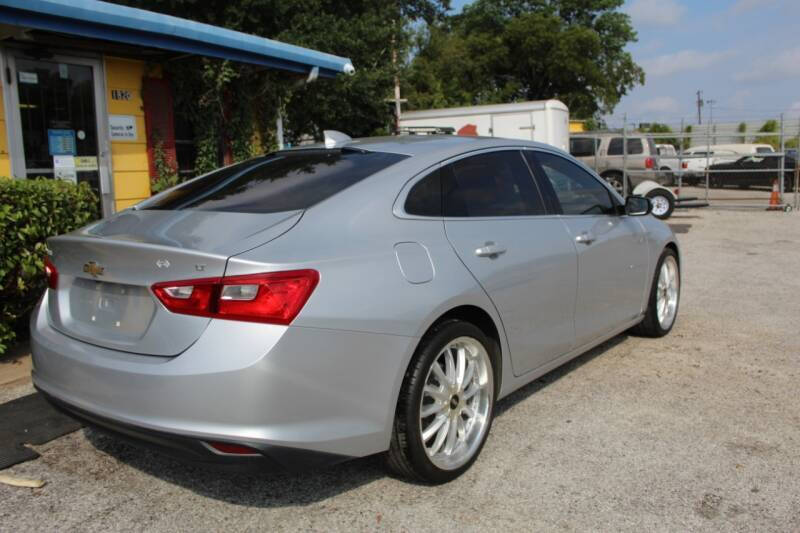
x=775, y=198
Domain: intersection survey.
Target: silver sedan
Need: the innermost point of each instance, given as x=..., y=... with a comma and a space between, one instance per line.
x=329, y=302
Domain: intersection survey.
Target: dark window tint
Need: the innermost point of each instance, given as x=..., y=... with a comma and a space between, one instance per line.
x=283, y=181
x=763, y=150
x=578, y=192
x=425, y=197
x=489, y=185
x=615, y=146
x=582, y=146
x=635, y=146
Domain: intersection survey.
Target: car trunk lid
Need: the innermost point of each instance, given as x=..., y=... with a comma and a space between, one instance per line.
x=105, y=273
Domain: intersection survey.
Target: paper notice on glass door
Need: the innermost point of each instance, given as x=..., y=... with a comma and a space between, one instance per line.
x=64, y=168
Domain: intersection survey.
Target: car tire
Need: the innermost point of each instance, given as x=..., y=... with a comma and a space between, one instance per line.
x=615, y=179
x=663, y=203
x=437, y=454
x=658, y=321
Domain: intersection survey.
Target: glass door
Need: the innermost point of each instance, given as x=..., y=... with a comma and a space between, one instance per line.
x=57, y=122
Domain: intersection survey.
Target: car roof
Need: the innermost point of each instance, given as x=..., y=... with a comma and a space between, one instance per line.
x=415, y=145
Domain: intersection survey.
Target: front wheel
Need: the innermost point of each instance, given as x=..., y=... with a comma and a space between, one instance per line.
x=663, y=203
x=662, y=303
x=446, y=404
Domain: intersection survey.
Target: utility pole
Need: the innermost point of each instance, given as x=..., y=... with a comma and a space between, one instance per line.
x=699, y=107
x=397, y=101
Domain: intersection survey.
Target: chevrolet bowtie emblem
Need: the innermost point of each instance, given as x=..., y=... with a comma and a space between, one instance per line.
x=93, y=268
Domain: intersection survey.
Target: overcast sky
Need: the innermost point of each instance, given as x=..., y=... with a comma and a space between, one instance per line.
x=743, y=54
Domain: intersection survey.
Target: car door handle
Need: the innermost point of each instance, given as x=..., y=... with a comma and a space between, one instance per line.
x=584, y=238
x=490, y=249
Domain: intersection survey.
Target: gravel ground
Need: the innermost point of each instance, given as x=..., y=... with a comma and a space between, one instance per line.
x=699, y=430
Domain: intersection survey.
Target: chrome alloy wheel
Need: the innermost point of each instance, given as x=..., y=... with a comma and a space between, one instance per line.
x=667, y=292
x=456, y=401
x=660, y=205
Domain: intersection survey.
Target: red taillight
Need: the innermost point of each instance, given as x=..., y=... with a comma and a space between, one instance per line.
x=648, y=162
x=51, y=273
x=685, y=164
x=233, y=449
x=272, y=297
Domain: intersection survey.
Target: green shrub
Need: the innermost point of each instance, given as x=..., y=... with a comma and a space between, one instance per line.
x=30, y=212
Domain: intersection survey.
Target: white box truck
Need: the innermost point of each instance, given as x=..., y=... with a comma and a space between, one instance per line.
x=545, y=121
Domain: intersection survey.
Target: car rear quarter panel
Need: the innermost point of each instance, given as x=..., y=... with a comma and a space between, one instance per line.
x=362, y=288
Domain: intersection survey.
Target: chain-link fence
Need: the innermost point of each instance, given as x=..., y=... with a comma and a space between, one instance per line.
x=758, y=170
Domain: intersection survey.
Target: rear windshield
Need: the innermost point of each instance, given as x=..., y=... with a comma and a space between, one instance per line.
x=283, y=181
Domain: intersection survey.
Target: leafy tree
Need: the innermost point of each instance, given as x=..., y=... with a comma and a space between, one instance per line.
x=509, y=50
x=770, y=126
x=742, y=128
x=657, y=127
x=687, y=141
x=234, y=105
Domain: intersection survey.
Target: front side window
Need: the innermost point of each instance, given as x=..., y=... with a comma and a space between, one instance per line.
x=578, y=192
x=282, y=181
x=490, y=185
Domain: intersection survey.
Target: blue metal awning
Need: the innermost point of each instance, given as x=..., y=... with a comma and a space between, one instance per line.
x=111, y=22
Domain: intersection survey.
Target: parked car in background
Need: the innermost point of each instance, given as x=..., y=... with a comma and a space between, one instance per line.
x=229, y=321
x=745, y=148
x=753, y=170
x=604, y=153
x=696, y=159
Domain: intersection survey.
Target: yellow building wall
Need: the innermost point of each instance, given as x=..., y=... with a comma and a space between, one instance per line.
x=5, y=160
x=577, y=126
x=128, y=157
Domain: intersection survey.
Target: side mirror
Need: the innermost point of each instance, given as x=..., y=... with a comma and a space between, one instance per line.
x=637, y=206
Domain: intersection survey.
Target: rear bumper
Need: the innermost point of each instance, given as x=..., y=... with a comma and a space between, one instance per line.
x=264, y=386
x=270, y=458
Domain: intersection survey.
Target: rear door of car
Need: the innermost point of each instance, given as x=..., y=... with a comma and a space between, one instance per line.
x=613, y=255
x=499, y=225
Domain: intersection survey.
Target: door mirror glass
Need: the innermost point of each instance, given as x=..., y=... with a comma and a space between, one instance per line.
x=637, y=206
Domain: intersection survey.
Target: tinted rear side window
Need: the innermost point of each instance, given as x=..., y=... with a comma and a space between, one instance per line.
x=283, y=181
x=635, y=146
x=425, y=197
x=615, y=146
x=582, y=146
x=490, y=185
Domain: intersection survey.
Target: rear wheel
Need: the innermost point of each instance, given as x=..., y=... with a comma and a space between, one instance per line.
x=615, y=179
x=662, y=304
x=663, y=203
x=446, y=404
